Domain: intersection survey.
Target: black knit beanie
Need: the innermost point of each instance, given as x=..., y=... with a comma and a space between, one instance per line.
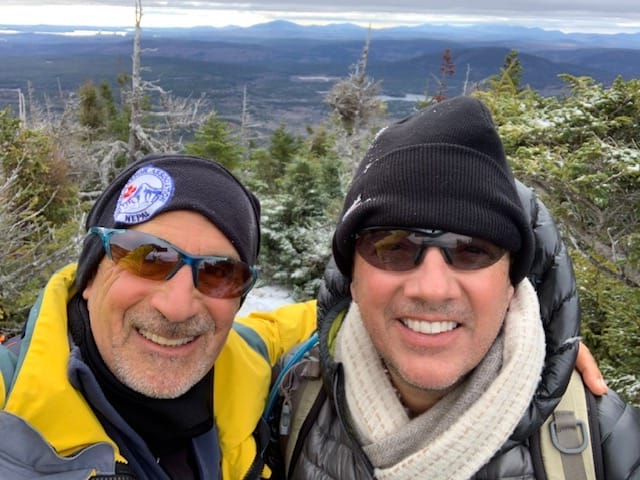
x=442, y=168
x=164, y=182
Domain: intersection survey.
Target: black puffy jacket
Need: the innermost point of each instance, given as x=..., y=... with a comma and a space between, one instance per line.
x=327, y=449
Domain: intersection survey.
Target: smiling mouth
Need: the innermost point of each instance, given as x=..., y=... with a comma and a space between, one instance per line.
x=163, y=341
x=428, y=328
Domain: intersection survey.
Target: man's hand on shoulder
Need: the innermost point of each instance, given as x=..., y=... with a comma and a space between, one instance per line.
x=591, y=374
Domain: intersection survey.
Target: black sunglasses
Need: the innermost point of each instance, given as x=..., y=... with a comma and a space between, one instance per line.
x=153, y=258
x=401, y=249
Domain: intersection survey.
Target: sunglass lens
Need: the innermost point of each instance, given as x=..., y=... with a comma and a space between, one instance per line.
x=474, y=254
x=224, y=278
x=388, y=249
x=146, y=260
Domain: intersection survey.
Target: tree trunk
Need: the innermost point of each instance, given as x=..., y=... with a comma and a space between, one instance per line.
x=136, y=90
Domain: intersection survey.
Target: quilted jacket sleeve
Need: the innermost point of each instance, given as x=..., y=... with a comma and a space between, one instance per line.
x=620, y=437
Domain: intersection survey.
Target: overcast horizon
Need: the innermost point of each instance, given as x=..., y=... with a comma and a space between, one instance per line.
x=615, y=16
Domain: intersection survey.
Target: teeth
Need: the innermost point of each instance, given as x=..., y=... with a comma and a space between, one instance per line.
x=165, y=342
x=429, y=328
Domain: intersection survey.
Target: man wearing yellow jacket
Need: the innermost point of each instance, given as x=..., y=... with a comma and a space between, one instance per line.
x=114, y=376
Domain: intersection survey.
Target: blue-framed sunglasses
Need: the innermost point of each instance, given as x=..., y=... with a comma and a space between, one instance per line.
x=401, y=249
x=153, y=258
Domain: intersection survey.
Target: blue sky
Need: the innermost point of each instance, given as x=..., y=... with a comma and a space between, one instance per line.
x=603, y=16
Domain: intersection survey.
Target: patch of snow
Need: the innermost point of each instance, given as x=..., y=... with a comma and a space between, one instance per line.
x=264, y=298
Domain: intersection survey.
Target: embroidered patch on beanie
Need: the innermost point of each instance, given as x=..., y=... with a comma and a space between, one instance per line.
x=146, y=192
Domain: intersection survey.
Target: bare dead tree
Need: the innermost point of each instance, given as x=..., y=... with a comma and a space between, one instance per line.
x=244, y=118
x=247, y=125
x=136, y=94
x=170, y=116
x=356, y=105
x=32, y=103
x=355, y=99
x=176, y=116
x=22, y=112
x=466, y=85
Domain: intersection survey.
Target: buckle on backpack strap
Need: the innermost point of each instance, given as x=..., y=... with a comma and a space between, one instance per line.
x=564, y=433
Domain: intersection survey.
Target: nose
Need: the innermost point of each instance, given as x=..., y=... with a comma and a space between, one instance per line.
x=432, y=279
x=177, y=298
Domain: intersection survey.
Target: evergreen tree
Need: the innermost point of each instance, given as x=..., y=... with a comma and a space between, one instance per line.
x=296, y=210
x=259, y=173
x=41, y=176
x=37, y=205
x=91, y=113
x=510, y=75
x=580, y=154
x=283, y=147
x=216, y=141
x=295, y=247
x=100, y=113
x=117, y=120
x=269, y=165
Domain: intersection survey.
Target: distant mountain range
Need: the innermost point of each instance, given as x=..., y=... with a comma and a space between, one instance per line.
x=287, y=68
x=345, y=31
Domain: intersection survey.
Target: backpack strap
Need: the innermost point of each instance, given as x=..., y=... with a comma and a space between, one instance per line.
x=300, y=408
x=292, y=397
x=9, y=352
x=251, y=337
x=299, y=352
x=565, y=439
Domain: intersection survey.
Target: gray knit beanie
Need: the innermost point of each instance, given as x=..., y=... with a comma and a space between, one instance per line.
x=164, y=182
x=443, y=168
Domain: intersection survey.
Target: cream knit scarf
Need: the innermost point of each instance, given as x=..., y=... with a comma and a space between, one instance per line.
x=461, y=433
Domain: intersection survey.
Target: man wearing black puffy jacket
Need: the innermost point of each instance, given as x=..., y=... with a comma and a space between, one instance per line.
x=459, y=329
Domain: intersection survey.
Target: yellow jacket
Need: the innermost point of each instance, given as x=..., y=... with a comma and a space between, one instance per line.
x=35, y=387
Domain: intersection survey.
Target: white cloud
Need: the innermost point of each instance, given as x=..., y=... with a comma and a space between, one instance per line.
x=567, y=15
